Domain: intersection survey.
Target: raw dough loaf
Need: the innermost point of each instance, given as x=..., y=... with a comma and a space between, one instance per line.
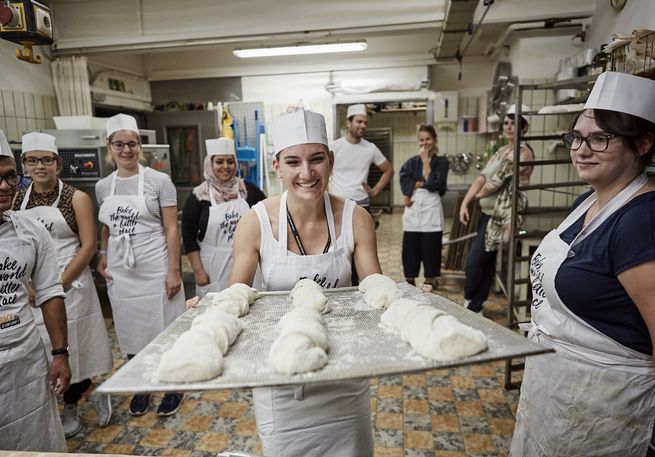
x=305, y=321
x=311, y=298
x=193, y=357
x=295, y=353
x=379, y=291
x=232, y=301
x=302, y=342
x=225, y=327
x=305, y=283
x=247, y=292
x=433, y=333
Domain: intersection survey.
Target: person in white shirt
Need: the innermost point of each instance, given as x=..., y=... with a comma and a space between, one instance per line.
x=353, y=156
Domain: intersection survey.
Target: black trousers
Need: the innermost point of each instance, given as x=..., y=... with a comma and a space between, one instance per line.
x=75, y=391
x=480, y=268
x=422, y=247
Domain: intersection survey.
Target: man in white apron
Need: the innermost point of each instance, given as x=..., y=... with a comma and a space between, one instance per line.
x=90, y=352
x=30, y=419
x=595, y=396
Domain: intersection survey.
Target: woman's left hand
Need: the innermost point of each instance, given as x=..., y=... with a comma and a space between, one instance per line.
x=173, y=284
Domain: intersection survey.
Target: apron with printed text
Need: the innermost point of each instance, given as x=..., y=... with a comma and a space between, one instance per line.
x=90, y=351
x=425, y=214
x=216, y=246
x=137, y=261
x=593, y=396
x=30, y=417
x=315, y=419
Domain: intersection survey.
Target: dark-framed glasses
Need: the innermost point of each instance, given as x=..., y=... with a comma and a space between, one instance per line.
x=597, y=142
x=119, y=145
x=12, y=178
x=33, y=161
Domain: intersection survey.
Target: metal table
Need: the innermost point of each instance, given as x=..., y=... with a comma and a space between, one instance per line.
x=358, y=346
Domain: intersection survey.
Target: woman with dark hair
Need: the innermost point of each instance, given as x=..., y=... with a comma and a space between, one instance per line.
x=68, y=215
x=593, y=290
x=140, y=249
x=211, y=214
x=423, y=182
x=491, y=188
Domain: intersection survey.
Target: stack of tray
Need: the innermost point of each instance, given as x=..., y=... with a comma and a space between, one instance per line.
x=358, y=346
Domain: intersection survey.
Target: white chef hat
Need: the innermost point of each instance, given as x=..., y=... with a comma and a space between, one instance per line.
x=623, y=93
x=37, y=141
x=221, y=147
x=512, y=110
x=353, y=110
x=121, y=122
x=298, y=127
x=5, y=150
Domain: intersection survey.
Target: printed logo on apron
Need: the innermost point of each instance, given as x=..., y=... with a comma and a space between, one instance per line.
x=11, y=273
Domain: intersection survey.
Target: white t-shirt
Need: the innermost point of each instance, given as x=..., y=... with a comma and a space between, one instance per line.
x=351, y=164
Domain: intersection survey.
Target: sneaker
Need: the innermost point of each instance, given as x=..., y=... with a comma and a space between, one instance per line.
x=102, y=405
x=139, y=404
x=71, y=420
x=170, y=404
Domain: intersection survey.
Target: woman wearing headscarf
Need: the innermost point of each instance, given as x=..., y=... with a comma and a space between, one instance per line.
x=307, y=233
x=211, y=214
x=140, y=249
x=593, y=293
x=68, y=215
x=492, y=189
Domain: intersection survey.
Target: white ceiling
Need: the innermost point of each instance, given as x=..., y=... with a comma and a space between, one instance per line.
x=173, y=39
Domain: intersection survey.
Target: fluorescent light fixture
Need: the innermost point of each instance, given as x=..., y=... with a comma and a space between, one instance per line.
x=298, y=49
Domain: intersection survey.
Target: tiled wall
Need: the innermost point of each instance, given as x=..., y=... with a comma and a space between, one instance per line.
x=24, y=111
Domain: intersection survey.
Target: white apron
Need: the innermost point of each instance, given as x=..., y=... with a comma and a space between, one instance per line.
x=593, y=396
x=137, y=260
x=90, y=351
x=216, y=247
x=425, y=214
x=314, y=419
x=30, y=418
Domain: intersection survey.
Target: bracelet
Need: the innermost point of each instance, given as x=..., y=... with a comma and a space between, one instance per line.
x=102, y=252
x=60, y=351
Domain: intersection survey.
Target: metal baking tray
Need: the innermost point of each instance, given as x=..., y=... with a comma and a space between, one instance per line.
x=358, y=346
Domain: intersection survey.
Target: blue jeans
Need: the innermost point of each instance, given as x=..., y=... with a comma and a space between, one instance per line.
x=480, y=268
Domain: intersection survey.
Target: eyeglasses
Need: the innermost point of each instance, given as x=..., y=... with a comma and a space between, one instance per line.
x=597, y=142
x=119, y=145
x=33, y=161
x=12, y=178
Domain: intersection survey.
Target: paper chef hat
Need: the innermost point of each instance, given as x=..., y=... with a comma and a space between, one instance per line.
x=623, y=93
x=37, y=141
x=356, y=109
x=298, y=127
x=5, y=150
x=220, y=147
x=121, y=122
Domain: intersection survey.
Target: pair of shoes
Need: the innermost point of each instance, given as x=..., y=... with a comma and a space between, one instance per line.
x=102, y=405
x=170, y=404
x=139, y=404
x=71, y=420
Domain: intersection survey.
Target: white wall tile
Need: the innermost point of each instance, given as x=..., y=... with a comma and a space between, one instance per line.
x=19, y=103
x=8, y=103
x=12, y=129
x=22, y=126
x=30, y=111
x=38, y=105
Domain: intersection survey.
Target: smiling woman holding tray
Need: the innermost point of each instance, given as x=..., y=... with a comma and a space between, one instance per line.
x=307, y=233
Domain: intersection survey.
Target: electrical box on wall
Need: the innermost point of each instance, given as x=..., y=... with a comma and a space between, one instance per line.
x=119, y=89
x=27, y=23
x=445, y=106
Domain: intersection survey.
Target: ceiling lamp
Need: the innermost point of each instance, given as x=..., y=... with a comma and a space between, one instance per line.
x=299, y=49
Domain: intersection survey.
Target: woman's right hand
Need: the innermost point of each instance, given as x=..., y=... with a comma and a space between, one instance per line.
x=102, y=267
x=408, y=201
x=201, y=278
